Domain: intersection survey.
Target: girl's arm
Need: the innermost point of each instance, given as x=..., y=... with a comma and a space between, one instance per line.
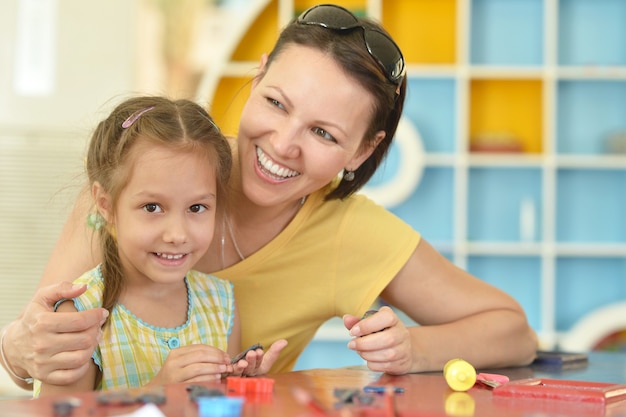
x=51, y=347
x=86, y=382
x=459, y=316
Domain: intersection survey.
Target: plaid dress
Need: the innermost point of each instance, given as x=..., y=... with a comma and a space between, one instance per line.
x=132, y=351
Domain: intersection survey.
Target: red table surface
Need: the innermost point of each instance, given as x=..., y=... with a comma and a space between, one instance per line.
x=425, y=395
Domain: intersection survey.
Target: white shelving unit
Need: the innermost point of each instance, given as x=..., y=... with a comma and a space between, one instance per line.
x=551, y=73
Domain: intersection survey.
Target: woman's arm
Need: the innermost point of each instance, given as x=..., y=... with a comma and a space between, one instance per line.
x=86, y=382
x=459, y=316
x=51, y=347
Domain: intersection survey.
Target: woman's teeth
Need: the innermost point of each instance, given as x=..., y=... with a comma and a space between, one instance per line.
x=273, y=168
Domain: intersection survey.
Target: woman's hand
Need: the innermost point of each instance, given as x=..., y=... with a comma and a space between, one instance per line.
x=382, y=340
x=53, y=347
x=193, y=363
x=258, y=362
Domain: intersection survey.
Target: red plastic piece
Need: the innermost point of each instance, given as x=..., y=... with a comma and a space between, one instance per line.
x=556, y=389
x=248, y=385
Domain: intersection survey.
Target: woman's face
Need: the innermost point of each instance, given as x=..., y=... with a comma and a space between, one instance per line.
x=302, y=125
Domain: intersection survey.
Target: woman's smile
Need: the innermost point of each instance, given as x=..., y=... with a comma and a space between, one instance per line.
x=273, y=169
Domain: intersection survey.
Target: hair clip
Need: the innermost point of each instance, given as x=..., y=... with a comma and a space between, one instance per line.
x=133, y=117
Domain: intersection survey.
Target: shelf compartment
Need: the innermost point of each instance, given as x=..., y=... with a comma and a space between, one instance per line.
x=585, y=284
x=519, y=276
x=590, y=206
x=504, y=204
x=425, y=30
x=260, y=36
x=230, y=96
x=505, y=32
x=588, y=112
x=430, y=105
x=429, y=209
x=507, y=108
x=357, y=7
x=591, y=32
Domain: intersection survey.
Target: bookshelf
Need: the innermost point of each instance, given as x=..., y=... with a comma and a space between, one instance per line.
x=519, y=108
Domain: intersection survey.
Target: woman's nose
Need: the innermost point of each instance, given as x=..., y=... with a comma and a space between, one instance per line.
x=286, y=143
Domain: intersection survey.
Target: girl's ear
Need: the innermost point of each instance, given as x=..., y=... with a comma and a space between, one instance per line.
x=365, y=153
x=103, y=201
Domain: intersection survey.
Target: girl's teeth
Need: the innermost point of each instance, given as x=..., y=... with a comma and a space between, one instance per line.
x=169, y=257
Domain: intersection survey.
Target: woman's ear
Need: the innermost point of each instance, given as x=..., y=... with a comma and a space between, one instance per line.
x=103, y=201
x=365, y=152
x=260, y=70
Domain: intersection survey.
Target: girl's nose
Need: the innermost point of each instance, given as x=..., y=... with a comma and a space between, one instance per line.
x=175, y=231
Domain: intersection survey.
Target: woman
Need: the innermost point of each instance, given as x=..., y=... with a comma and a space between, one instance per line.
x=297, y=243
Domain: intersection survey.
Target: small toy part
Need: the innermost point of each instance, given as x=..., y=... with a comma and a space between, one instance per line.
x=220, y=406
x=242, y=355
x=556, y=389
x=248, y=385
x=459, y=374
x=353, y=396
x=200, y=391
x=492, y=380
x=115, y=398
x=65, y=406
x=150, y=398
x=369, y=313
x=381, y=389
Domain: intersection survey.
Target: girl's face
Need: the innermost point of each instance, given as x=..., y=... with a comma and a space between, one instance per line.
x=165, y=216
x=302, y=125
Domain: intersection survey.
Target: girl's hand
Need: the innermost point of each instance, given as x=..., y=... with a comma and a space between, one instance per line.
x=258, y=362
x=193, y=363
x=382, y=340
x=53, y=347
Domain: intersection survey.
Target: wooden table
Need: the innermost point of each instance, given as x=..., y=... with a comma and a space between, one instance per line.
x=425, y=395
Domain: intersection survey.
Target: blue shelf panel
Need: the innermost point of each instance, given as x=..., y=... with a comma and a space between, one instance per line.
x=588, y=112
x=429, y=209
x=507, y=32
x=496, y=197
x=327, y=354
x=520, y=277
x=591, y=206
x=592, y=32
x=430, y=106
x=585, y=284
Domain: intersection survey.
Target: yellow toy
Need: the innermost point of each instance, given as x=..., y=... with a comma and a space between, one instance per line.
x=459, y=374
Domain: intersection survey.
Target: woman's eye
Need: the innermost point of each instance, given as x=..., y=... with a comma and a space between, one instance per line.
x=152, y=208
x=324, y=134
x=275, y=102
x=197, y=208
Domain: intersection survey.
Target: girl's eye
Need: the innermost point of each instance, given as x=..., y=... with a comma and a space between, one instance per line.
x=152, y=208
x=324, y=134
x=197, y=208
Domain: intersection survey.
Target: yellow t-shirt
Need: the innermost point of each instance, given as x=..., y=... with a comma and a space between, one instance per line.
x=334, y=258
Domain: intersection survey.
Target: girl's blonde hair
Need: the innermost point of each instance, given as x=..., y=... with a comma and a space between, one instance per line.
x=181, y=125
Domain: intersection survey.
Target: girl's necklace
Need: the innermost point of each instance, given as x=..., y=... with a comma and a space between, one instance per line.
x=225, y=224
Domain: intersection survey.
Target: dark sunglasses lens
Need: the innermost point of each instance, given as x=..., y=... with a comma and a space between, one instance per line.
x=386, y=52
x=332, y=17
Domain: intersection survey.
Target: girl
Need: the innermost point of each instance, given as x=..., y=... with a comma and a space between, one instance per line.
x=157, y=169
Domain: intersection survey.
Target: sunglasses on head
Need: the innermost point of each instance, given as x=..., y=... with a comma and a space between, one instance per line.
x=380, y=46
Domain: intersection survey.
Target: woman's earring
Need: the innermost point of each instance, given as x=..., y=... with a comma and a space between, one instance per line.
x=348, y=175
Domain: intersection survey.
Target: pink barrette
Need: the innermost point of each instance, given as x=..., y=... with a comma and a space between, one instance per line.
x=133, y=117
